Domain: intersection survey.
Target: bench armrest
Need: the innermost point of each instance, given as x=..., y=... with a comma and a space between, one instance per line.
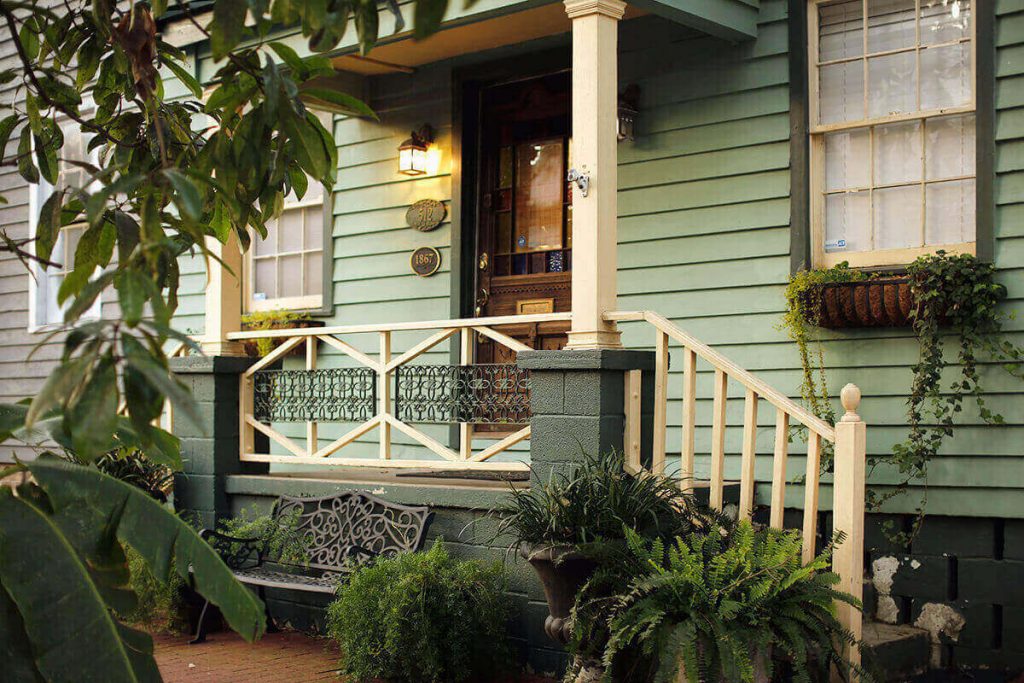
x=236, y=552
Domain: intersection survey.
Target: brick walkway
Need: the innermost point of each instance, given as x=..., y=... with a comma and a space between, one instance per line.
x=286, y=657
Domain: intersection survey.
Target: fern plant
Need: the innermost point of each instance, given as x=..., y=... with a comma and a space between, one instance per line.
x=715, y=605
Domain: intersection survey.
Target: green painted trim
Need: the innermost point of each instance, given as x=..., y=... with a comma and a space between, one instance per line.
x=799, y=142
x=985, y=143
x=728, y=19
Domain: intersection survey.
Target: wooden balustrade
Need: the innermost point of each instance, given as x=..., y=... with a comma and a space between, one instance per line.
x=848, y=437
x=384, y=420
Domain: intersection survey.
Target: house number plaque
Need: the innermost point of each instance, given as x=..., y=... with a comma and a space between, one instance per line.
x=426, y=214
x=425, y=261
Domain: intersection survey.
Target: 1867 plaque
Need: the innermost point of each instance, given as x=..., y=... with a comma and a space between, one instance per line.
x=425, y=261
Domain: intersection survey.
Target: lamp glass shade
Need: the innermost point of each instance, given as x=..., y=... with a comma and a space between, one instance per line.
x=412, y=158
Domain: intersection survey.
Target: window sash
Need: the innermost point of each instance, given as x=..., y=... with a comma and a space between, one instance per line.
x=276, y=254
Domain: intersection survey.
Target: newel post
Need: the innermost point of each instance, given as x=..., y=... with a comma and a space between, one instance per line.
x=848, y=509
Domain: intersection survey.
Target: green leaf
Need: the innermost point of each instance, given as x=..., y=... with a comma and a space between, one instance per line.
x=131, y=295
x=12, y=418
x=227, y=27
x=291, y=58
x=29, y=41
x=154, y=532
x=309, y=148
x=15, y=648
x=188, y=198
x=30, y=539
x=367, y=24
x=58, y=386
x=428, y=17
x=90, y=420
x=26, y=168
x=187, y=79
x=6, y=128
x=48, y=227
x=337, y=101
x=142, y=361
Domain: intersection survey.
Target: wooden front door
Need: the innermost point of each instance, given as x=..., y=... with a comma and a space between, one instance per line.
x=524, y=243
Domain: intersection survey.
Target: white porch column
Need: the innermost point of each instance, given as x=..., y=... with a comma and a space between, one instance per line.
x=223, y=299
x=595, y=85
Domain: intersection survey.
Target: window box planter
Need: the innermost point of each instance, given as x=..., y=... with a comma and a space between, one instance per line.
x=867, y=303
x=252, y=348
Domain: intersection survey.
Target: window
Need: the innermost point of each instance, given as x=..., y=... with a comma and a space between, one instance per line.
x=892, y=130
x=286, y=270
x=45, y=282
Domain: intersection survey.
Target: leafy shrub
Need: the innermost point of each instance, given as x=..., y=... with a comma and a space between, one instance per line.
x=282, y=538
x=132, y=467
x=422, y=617
x=717, y=601
x=160, y=606
x=595, y=502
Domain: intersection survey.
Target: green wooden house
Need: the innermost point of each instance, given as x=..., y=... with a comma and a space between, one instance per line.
x=605, y=202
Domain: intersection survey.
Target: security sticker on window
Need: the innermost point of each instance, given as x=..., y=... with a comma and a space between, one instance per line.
x=259, y=296
x=835, y=245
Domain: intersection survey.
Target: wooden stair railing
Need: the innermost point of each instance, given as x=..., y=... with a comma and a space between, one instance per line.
x=848, y=435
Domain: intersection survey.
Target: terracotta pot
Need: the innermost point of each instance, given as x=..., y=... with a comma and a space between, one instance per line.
x=252, y=350
x=872, y=303
x=562, y=571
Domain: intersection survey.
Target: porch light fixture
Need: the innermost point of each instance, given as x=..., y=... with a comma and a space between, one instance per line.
x=412, y=154
x=628, y=109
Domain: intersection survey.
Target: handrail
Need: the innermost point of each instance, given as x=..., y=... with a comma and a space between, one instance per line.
x=720, y=362
x=457, y=323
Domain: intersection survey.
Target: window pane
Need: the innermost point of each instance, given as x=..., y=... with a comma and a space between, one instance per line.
x=841, y=89
x=846, y=160
x=946, y=76
x=950, y=212
x=839, y=31
x=291, y=230
x=52, y=311
x=539, y=182
x=291, y=276
x=892, y=88
x=943, y=21
x=265, y=279
x=890, y=25
x=268, y=245
x=313, y=274
x=898, y=217
x=847, y=222
x=898, y=153
x=313, y=227
x=950, y=148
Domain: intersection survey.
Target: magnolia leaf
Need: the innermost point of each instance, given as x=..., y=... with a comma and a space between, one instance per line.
x=187, y=79
x=90, y=419
x=26, y=168
x=154, y=532
x=291, y=58
x=141, y=360
x=49, y=224
x=337, y=101
x=6, y=128
x=187, y=196
x=428, y=17
x=58, y=386
x=367, y=24
x=227, y=27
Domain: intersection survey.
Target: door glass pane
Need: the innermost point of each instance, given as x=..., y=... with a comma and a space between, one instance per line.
x=890, y=25
x=842, y=92
x=265, y=279
x=950, y=212
x=839, y=31
x=846, y=160
x=943, y=21
x=847, y=222
x=892, y=85
x=291, y=276
x=538, y=199
x=950, y=148
x=897, y=217
x=946, y=76
x=898, y=153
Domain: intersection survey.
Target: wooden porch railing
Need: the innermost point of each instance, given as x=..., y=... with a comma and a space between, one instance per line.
x=848, y=436
x=384, y=420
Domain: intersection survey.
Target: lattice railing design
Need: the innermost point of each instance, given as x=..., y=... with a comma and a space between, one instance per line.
x=331, y=395
x=453, y=394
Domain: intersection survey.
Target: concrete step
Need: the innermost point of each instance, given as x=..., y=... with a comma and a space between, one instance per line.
x=895, y=653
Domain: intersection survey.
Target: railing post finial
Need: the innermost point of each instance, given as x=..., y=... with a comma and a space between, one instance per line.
x=850, y=397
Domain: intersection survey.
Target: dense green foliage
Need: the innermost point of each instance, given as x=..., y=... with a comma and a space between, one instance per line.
x=160, y=605
x=423, y=618
x=132, y=467
x=167, y=174
x=718, y=603
x=594, y=502
x=280, y=536
x=267, y=320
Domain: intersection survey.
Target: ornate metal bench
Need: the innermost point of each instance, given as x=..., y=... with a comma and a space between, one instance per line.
x=342, y=532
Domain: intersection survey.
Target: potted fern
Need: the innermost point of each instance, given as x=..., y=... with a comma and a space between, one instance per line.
x=731, y=607
x=568, y=527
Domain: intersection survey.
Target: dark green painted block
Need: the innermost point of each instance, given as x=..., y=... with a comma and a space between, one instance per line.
x=593, y=392
x=1013, y=539
x=564, y=439
x=923, y=577
x=200, y=492
x=589, y=359
x=1013, y=628
x=999, y=582
x=979, y=622
x=877, y=540
x=547, y=393
x=988, y=658
x=956, y=536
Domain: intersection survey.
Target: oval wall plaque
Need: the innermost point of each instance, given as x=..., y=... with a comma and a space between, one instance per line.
x=426, y=214
x=425, y=261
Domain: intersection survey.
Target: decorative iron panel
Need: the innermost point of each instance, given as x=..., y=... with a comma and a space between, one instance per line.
x=452, y=394
x=328, y=395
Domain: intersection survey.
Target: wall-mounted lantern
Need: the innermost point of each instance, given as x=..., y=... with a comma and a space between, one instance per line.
x=628, y=109
x=412, y=154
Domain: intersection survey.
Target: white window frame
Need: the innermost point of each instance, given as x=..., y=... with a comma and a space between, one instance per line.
x=38, y=280
x=817, y=131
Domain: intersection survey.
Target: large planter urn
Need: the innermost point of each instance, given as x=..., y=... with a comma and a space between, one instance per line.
x=562, y=571
x=870, y=303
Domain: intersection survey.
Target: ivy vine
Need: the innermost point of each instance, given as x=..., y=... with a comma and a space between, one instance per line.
x=953, y=296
